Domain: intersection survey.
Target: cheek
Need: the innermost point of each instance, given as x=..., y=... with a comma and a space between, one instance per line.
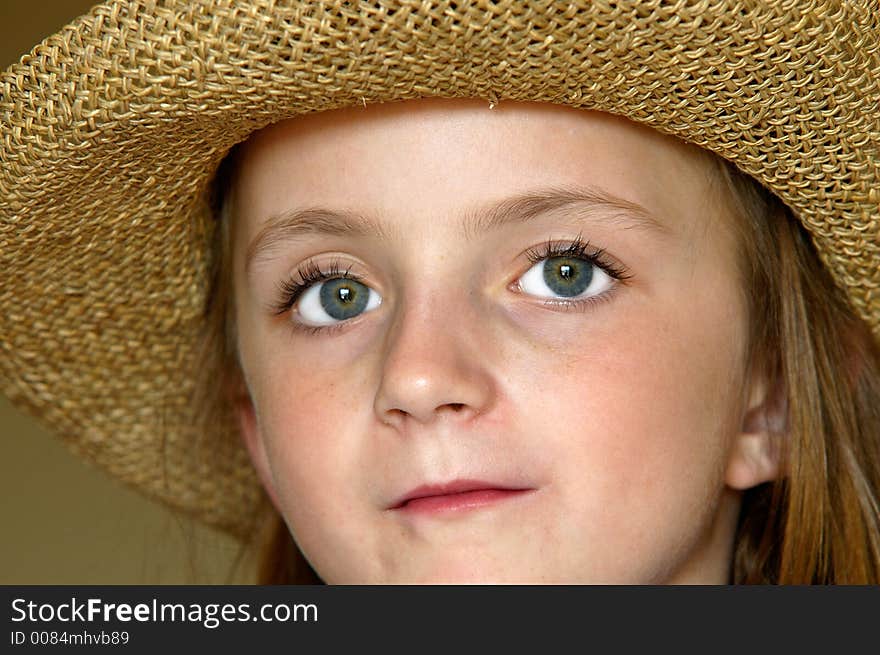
x=642, y=420
x=309, y=422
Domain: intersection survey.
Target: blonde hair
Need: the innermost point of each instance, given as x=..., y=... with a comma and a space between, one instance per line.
x=820, y=522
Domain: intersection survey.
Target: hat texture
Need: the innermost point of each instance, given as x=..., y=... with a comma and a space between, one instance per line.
x=113, y=128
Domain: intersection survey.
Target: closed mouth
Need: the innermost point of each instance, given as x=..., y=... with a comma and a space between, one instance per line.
x=456, y=495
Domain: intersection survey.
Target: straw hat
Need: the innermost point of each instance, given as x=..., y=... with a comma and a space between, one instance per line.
x=113, y=128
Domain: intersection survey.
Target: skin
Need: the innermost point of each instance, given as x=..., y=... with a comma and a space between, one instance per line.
x=632, y=420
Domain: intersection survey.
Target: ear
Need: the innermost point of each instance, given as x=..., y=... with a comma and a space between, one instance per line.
x=756, y=453
x=250, y=435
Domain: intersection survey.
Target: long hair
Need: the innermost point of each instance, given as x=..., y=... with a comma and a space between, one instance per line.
x=820, y=521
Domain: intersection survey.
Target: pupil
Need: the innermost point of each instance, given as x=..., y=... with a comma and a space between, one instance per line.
x=567, y=277
x=343, y=298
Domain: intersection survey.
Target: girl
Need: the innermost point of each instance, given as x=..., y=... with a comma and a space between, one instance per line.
x=463, y=340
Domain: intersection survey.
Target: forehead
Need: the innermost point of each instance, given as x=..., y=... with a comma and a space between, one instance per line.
x=427, y=164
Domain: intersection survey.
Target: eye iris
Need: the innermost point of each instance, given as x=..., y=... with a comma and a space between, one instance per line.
x=567, y=276
x=343, y=298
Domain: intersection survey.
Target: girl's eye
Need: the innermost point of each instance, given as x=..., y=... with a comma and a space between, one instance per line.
x=572, y=274
x=335, y=300
x=566, y=277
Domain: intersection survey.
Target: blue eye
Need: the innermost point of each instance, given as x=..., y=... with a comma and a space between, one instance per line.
x=324, y=298
x=566, y=277
x=570, y=273
x=335, y=300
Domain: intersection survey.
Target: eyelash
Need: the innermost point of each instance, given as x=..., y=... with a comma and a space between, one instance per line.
x=579, y=249
x=291, y=289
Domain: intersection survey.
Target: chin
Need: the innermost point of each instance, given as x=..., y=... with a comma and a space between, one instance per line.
x=470, y=573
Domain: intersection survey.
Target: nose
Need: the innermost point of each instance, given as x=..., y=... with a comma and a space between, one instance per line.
x=433, y=368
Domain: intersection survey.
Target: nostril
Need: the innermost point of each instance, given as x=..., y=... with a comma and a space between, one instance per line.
x=396, y=416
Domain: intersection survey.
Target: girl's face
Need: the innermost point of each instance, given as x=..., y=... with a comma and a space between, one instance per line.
x=528, y=365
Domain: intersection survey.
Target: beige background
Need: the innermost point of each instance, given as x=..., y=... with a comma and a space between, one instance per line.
x=61, y=521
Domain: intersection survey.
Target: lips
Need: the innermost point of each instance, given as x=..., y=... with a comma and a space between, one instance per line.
x=455, y=496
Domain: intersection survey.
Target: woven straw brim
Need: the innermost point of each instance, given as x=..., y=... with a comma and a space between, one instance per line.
x=113, y=128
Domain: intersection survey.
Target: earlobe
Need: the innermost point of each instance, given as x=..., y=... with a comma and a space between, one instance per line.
x=756, y=453
x=250, y=435
x=754, y=460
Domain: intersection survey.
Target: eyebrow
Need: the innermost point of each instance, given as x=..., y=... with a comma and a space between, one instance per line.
x=521, y=208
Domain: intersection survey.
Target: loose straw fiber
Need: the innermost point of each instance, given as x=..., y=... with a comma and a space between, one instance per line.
x=113, y=128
